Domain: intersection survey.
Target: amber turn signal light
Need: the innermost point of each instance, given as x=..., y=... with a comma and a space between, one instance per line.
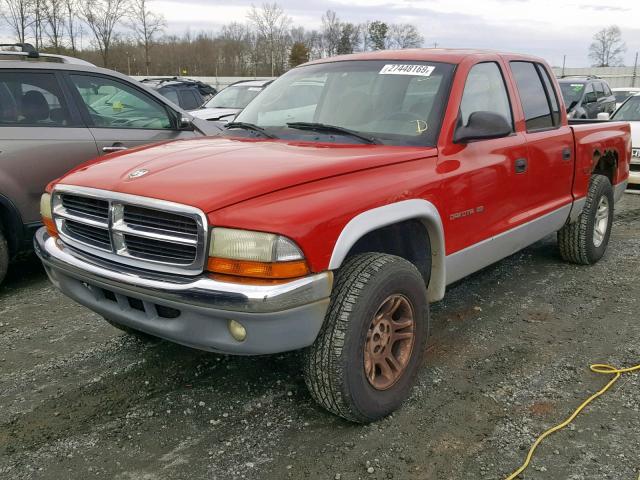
x=47, y=216
x=243, y=268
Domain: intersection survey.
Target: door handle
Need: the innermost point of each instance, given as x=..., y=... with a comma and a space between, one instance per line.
x=566, y=153
x=521, y=165
x=113, y=148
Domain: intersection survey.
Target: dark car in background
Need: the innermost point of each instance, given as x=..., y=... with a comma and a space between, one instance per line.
x=586, y=97
x=185, y=92
x=231, y=100
x=57, y=112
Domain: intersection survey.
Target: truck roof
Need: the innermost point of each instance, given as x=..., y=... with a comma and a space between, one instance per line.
x=445, y=55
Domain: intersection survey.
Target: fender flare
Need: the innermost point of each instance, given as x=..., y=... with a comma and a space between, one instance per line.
x=385, y=215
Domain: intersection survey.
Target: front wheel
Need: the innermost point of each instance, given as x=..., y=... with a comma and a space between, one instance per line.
x=585, y=241
x=364, y=362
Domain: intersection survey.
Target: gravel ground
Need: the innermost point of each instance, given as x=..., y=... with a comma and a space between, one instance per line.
x=508, y=357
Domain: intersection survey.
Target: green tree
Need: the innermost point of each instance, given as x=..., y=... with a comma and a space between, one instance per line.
x=378, y=34
x=348, y=39
x=299, y=54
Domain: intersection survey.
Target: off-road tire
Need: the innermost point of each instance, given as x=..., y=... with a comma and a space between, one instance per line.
x=4, y=256
x=575, y=240
x=334, y=364
x=142, y=336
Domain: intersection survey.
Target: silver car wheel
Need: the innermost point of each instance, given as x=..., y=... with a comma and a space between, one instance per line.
x=601, y=223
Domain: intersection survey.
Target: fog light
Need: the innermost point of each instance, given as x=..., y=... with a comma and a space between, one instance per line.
x=237, y=331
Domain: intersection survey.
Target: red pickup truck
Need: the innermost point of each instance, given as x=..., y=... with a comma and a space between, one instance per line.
x=341, y=201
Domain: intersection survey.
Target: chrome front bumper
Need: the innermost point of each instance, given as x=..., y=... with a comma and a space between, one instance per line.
x=278, y=317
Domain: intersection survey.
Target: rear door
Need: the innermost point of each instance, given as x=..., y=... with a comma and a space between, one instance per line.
x=121, y=115
x=550, y=156
x=41, y=136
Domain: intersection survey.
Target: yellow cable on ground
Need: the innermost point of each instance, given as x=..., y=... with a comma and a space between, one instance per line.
x=596, y=368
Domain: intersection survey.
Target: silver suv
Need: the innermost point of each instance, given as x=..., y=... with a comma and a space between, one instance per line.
x=57, y=112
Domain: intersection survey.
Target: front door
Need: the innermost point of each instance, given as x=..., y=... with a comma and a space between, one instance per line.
x=122, y=115
x=41, y=137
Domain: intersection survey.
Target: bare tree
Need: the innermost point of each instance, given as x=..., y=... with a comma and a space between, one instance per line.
x=72, y=20
x=55, y=22
x=102, y=17
x=272, y=24
x=18, y=14
x=331, y=32
x=37, y=14
x=145, y=25
x=403, y=35
x=607, y=47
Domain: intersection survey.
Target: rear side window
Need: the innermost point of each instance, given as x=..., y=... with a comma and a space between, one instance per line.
x=32, y=99
x=485, y=91
x=533, y=95
x=551, y=93
x=189, y=100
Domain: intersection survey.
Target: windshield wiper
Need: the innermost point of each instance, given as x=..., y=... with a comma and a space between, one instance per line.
x=250, y=126
x=323, y=127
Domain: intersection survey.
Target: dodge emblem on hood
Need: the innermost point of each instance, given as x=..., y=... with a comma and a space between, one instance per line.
x=138, y=173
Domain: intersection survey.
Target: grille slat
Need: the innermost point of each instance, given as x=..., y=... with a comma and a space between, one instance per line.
x=142, y=235
x=86, y=205
x=86, y=233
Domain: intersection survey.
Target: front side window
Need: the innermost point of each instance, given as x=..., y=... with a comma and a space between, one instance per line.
x=32, y=99
x=629, y=111
x=113, y=104
x=189, y=100
x=535, y=103
x=396, y=103
x=485, y=91
x=599, y=89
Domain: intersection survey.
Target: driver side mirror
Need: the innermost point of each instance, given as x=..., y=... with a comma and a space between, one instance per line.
x=185, y=123
x=604, y=116
x=482, y=126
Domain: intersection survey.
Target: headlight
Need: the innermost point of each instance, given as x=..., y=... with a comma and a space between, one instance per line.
x=246, y=253
x=47, y=217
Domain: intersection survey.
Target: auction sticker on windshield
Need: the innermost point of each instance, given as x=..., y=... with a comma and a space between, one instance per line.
x=400, y=69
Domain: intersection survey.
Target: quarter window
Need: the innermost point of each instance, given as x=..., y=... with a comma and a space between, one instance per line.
x=32, y=99
x=113, y=104
x=485, y=91
x=535, y=103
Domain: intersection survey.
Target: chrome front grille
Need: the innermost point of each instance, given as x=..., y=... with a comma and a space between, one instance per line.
x=136, y=231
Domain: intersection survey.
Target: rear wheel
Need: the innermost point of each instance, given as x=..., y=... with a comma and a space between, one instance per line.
x=4, y=256
x=364, y=362
x=585, y=241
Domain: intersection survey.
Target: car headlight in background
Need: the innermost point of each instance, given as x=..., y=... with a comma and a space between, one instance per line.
x=245, y=253
x=47, y=216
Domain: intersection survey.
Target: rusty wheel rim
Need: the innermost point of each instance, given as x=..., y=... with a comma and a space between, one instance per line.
x=389, y=343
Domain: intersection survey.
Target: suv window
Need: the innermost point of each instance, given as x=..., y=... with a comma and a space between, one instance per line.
x=599, y=89
x=188, y=99
x=113, y=104
x=607, y=90
x=485, y=91
x=35, y=99
x=537, y=111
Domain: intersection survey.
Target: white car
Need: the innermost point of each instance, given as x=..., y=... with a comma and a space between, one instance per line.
x=622, y=93
x=230, y=101
x=629, y=111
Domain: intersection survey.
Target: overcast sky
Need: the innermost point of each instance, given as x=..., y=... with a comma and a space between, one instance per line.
x=548, y=28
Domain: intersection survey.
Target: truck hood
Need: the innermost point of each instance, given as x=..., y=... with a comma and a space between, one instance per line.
x=213, y=173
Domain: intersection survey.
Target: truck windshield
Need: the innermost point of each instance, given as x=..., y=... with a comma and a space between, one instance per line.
x=571, y=92
x=629, y=111
x=392, y=102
